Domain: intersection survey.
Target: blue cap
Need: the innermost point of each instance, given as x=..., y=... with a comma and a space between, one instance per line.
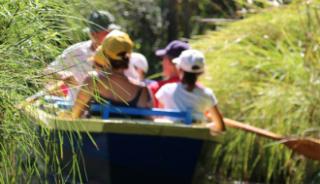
x=173, y=49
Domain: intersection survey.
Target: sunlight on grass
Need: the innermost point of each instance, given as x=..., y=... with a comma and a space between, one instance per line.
x=32, y=34
x=265, y=70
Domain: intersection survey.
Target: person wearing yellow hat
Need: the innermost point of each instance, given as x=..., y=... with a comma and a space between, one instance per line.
x=72, y=65
x=188, y=95
x=109, y=82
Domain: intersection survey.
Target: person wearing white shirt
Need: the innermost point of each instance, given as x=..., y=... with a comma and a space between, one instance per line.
x=72, y=66
x=188, y=95
x=138, y=68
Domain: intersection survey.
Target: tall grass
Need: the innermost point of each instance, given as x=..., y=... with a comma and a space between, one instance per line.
x=32, y=34
x=265, y=70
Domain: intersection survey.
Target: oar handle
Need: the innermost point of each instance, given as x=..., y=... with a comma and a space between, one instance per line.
x=252, y=129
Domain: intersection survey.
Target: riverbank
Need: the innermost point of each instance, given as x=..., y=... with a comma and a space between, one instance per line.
x=264, y=70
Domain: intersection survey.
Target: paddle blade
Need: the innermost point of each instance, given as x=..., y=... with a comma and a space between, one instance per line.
x=310, y=148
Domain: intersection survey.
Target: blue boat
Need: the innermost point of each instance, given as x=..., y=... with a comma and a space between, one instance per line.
x=121, y=151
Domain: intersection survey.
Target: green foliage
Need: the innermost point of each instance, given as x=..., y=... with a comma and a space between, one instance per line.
x=265, y=70
x=145, y=24
x=32, y=33
x=156, y=23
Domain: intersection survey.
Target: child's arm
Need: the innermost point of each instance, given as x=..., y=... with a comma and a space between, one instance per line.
x=83, y=98
x=217, y=119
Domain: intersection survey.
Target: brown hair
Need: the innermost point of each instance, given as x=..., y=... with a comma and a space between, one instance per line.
x=190, y=80
x=120, y=64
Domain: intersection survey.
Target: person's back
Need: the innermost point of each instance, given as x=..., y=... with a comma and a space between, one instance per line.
x=117, y=89
x=73, y=60
x=72, y=66
x=169, y=71
x=112, y=85
x=187, y=94
x=175, y=96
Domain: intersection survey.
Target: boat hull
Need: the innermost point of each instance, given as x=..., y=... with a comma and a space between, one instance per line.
x=121, y=151
x=125, y=158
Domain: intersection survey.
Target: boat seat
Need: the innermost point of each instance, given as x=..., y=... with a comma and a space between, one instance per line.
x=106, y=109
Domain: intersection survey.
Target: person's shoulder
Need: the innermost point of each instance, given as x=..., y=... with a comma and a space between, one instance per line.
x=208, y=91
x=77, y=47
x=169, y=81
x=173, y=84
x=170, y=86
x=92, y=78
x=205, y=90
x=137, y=82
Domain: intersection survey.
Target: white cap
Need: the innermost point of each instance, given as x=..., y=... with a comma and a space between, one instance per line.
x=190, y=61
x=138, y=60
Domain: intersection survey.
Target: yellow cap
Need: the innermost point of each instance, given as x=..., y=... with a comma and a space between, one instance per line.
x=115, y=43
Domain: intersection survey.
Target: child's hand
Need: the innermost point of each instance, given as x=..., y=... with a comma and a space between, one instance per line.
x=214, y=129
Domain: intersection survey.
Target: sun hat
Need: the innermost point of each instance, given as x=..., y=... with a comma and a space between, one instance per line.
x=99, y=20
x=173, y=49
x=114, y=46
x=140, y=61
x=190, y=61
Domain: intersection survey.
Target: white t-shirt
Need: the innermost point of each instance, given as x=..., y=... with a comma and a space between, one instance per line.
x=175, y=96
x=74, y=60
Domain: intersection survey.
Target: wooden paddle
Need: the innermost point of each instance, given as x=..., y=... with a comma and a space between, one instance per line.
x=308, y=147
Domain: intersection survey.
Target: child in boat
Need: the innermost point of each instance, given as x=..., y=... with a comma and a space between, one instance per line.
x=187, y=94
x=111, y=85
x=138, y=68
x=169, y=71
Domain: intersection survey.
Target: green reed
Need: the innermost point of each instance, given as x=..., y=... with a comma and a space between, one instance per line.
x=32, y=34
x=265, y=71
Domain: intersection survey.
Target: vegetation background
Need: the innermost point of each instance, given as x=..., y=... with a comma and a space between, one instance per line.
x=264, y=70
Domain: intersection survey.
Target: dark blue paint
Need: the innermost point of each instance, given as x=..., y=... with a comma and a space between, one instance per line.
x=139, y=158
x=151, y=159
x=128, y=158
